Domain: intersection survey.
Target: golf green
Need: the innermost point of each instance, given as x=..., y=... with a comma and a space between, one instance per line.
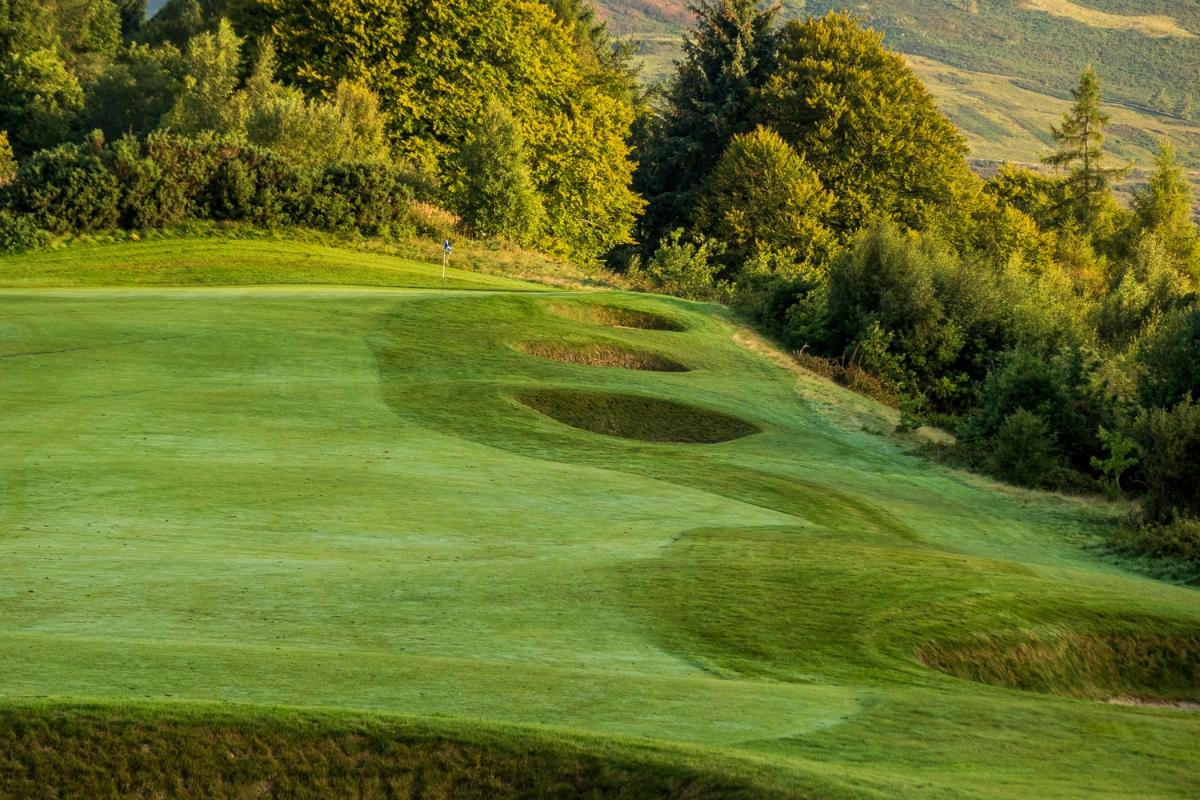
x=336, y=497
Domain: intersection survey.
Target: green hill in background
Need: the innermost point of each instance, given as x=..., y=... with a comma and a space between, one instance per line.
x=1002, y=70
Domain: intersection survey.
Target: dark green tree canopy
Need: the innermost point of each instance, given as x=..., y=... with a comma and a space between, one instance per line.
x=729, y=53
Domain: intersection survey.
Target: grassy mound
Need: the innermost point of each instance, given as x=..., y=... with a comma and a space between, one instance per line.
x=628, y=416
x=132, y=751
x=1145, y=666
x=601, y=355
x=615, y=316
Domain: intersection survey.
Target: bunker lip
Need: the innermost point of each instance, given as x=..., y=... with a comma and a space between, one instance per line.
x=639, y=417
x=615, y=316
x=601, y=355
x=1128, y=668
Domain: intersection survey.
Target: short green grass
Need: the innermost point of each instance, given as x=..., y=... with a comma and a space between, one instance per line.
x=233, y=261
x=328, y=499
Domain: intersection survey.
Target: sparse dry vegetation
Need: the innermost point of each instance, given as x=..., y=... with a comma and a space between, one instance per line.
x=601, y=355
x=615, y=316
x=1145, y=666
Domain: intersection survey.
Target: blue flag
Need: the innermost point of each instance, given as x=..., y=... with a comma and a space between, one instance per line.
x=446, y=245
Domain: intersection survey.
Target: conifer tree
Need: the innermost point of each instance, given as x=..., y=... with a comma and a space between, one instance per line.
x=729, y=53
x=1080, y=141
x=498, y=198
x=1164, y=207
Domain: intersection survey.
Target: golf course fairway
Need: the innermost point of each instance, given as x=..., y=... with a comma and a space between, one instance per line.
x=308, y=519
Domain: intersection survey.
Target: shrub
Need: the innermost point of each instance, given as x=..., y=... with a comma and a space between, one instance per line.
x=67, y=189
x=684, y=269
x=19, y=233
x=1166, y=551
x=1057, y=390
x=1025, y=450
x=1169, y=449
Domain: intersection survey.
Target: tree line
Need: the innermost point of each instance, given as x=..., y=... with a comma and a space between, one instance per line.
x=799, y=172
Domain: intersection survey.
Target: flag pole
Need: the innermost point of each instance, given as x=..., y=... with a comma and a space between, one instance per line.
x=445, y=258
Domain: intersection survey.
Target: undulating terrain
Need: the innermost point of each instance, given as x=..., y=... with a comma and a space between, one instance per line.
x=509, y=541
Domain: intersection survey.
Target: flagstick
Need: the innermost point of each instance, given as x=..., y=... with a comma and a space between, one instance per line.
x=443, y=272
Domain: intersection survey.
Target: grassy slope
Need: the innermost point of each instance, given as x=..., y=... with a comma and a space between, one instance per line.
x=1005, y=37
x=226, y=262
x=329, y=498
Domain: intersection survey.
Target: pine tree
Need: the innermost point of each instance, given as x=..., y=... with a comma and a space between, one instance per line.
x=1164, y=207
x=1080, y=139
x=498, y=198
x=729, y=53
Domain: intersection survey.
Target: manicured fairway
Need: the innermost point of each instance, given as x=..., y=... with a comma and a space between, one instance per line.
x=333, y=498
x=226, y=262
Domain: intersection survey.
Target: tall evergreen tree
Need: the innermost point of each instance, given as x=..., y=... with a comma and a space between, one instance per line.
x=1080, y=141
x=1164, y=207
x=729, y=53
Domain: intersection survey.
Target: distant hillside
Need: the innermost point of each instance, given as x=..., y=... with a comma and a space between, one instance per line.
x=1140, y=47
x=1001, y=69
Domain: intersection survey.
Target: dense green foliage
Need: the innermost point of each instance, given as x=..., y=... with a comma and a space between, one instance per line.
x=376, y=83
x=498, y=198
x=1030, y=313
x=165, y=179
x=435, y=72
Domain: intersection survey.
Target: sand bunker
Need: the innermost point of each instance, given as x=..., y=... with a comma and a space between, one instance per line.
x=601, y=355
x=648, y=419
x=614, y=316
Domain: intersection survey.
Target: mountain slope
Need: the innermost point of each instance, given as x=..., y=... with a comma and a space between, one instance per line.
x=1023, y=56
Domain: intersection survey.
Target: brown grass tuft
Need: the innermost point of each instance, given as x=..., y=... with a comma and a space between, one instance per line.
x=615, y=316
x=601, y=355
x=1143, y=666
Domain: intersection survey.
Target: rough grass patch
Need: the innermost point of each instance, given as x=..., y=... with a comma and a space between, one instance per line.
x=124, y=752
x=628, y=416
x=1144, y=666
x=615, y=316
x=601, y=355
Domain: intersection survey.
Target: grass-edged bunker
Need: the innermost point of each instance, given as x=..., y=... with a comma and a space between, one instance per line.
x=615, y=316
x=1141, y=666
x=630, y=416
x=601, y=355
